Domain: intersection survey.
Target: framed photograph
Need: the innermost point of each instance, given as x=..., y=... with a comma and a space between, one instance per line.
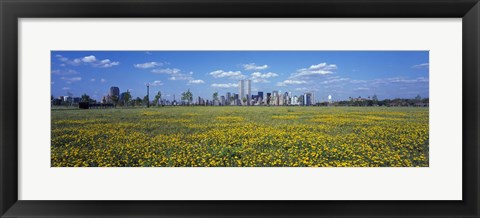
x=224, y=108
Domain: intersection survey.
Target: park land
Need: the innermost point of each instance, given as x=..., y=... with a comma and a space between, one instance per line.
x=241, y=136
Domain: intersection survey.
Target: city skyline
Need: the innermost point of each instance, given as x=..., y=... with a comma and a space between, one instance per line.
x=341, y=74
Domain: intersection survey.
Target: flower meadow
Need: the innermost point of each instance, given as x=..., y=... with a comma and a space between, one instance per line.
x=241, y=137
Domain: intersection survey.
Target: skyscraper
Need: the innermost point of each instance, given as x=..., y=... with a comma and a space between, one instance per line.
x=223, y=100
x=249, y=88
x=308, y=99
x=260, y=98
x=229, y=95
x=274, y=100
x=295, y=100
x=286, y=96
x=241, y=88
x=114, y=91
x=113, y=95
x=236, y=99
x=260, y=94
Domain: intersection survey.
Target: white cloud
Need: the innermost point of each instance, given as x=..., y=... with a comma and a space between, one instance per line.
x=253, y=66
x=335, y=80
x=156, y=83
x=180, y=77
x=362, y=89
x=77, y=61
x=358, y=81
x=314, y=70
x=66, y=88
x=225, y=85
x=177, y=75
x=421, y=66
x=89, y=59
x=105, y=63
x=66, y=61
x=403, y=80
x=64, y=72
x=61, y=58
x=323, y=66
x=148, y=65
x=92, y=80
x=196, y=81
x=291, y=82
x=258, y=77
x=70, y=80
x=264, y=75
x=260, y=80
x=102, y=80
x=228, y=74
x=166, y=71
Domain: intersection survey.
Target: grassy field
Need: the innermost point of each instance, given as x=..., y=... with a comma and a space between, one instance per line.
x=241, y=136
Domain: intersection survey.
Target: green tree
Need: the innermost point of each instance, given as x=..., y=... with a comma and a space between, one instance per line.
x=375, y=98
x=418, y=98
x=145, y=100
x=215, y=96
x=85, y=98
x=127, y=97
x=138, y=101
x=244, y=99
x=115, y=99
x=187, y=96
x=158, y=96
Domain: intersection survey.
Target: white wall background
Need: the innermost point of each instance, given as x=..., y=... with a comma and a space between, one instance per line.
x=441, y=181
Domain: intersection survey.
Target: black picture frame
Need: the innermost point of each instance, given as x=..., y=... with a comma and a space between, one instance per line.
x=12, y=10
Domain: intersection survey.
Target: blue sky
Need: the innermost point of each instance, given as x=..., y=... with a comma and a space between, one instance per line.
x=342, y=74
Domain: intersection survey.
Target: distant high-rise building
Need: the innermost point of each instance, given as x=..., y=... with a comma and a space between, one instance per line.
x=241, y=88
x=295, y=100
x=301, y=100
x=268, y=99
x=260, y=95
x=245, y=90
x=76, y=100
x=273, y=100
x=249, y=92
x=286, y=97
x=236, y=99
x=114, y=91
x=229, y=95
x=260, y=98
x=113, y=94
x=249, y=88
x=308, y=99
x=222, y=100
x=122, y=96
